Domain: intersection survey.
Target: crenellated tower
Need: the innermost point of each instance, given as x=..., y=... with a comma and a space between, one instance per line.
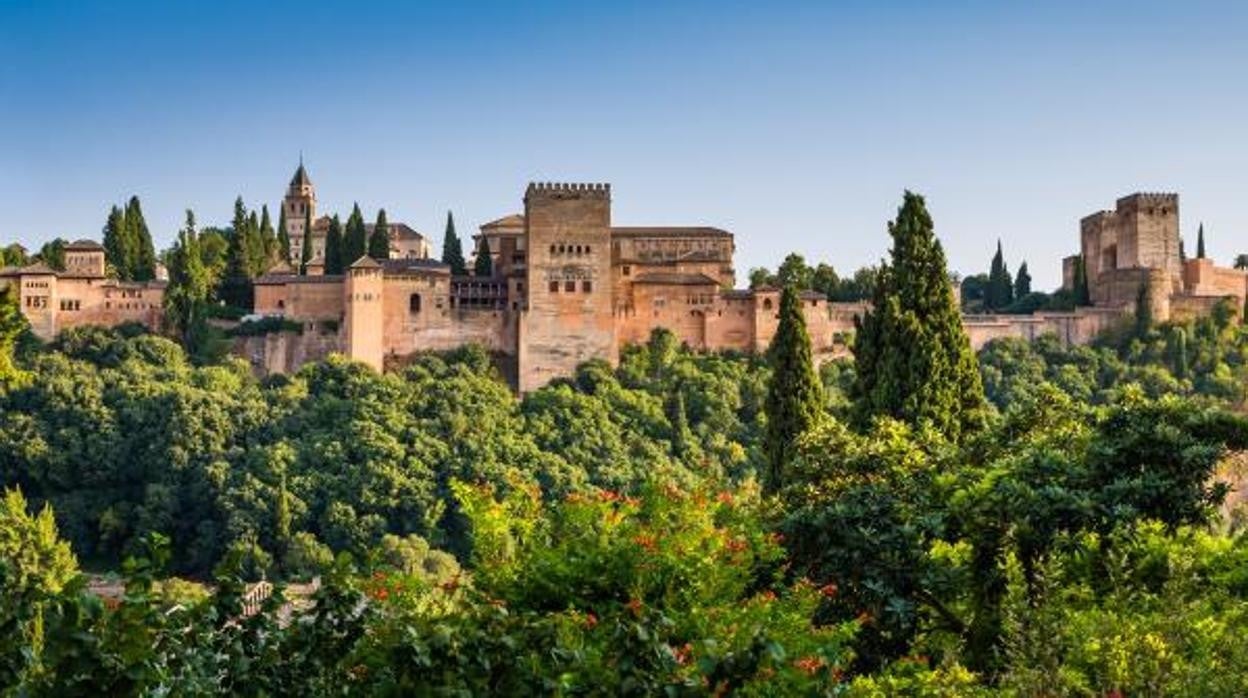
x=568, y=278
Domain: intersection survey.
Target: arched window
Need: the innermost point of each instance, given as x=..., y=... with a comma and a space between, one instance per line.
x=413, y=303
x=767, y=304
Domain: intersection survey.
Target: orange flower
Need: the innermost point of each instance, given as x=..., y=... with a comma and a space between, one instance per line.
x=683, y=653
x=381, y=594
x=645, y=540
x=828, y=590
x=768, y=596
x=725, y=498
x=736, y=545
x=634, y=605
x=608, y=495
x=809, y=664
x=591, y=621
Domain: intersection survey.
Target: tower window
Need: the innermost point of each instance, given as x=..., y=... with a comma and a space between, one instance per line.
x=554, y=287
x=587, y=286
x=627, y=270
x=413, y=303
x=569, y=286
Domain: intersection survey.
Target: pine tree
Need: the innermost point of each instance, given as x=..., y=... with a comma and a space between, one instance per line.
x=283, y=236
x=142, y=252
x=912, y=357
x=1022, y=282
x=1000, y=291
x=115, y=246
x=794, y=395
x=379, y=241
x=356, y=241
x=483, y=265
x=452, y=249
x=335, y=257
x=1200, y=242
x=305, y=255
x=1083, y=296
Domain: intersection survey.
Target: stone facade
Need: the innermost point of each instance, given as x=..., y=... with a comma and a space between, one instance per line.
x=53, y=301
x=567, y=287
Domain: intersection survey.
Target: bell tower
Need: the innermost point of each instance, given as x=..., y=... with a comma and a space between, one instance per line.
x=300, y=207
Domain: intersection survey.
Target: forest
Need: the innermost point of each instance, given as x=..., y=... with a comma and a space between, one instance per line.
x=1037, y=520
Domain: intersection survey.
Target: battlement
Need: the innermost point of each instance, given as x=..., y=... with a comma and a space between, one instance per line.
x=568, y=190
x=1097, y=219
x=1140, y=201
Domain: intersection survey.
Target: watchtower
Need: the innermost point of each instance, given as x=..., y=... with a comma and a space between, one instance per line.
x=365, y=320
x=568, y=319
x=299, y=207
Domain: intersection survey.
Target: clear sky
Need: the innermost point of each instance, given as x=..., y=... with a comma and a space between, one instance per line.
x=795, y=125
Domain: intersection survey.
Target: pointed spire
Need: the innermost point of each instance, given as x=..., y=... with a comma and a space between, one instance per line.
x=301, y=175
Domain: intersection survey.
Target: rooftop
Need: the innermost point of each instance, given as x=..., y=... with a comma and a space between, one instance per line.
x=675, y=279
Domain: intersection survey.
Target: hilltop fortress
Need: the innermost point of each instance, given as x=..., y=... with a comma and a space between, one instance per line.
x=568, y=286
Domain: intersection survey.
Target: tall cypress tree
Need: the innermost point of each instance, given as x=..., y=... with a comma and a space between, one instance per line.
x=268, y=238
x=913, y=360
x=305, y=255
x=142, y=251
x=1143, y=310
x=1000, y=292
x=255, y=246
x=189, y=283
x=356, y=240
x=452, y=249
x=238, y=257
x=1022, y=282
x=115, y=247
x=379, y=241
x=335, y=262
x=794, y=395
x=1083, y=296
x=484, y=264
x=283, y=236
x=1200, y=242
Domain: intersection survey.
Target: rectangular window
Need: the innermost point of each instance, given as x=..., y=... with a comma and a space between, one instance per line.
x=569, y=286
x=587, y=286
x=554, y=287
x=627, y=270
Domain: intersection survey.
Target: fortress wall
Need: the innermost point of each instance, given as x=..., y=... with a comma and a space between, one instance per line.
x=731, y=325
x=285, y=352
x=1075, y=328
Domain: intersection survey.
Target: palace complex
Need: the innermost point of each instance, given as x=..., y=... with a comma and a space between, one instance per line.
x=569, y=286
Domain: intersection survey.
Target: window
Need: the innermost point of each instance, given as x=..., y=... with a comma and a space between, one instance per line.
x=281, y=305
x=569, y=286
x=554, y=287
x=413, y=303
x=587, y=286
x=627, y=270
x=587, y=249
x=767, y=304
x=552, y=249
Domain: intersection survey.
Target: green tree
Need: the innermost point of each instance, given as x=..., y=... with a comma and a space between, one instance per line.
x=117, y=244
x=283, y=236
x=268, y=240
x=452, y=249
x=355, y=243
x=1200, y=242
x=1022, y=282
x=335, y=251
x=912, y=356
x=795, y=395
x=794, y=272
x=760, y=277
x=239, y=264
x=52, y=253
x=1143, y=310
x=188, y=295
x=379, y=241
x=12, y=326
x=142, y=263
x=1000, y=291
x=483, y=265
x=1241, y=261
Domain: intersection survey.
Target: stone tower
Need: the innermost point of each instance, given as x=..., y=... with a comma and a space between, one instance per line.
x=365, y=320
x=569, y=315
x=299, y=205
x=1148, y=233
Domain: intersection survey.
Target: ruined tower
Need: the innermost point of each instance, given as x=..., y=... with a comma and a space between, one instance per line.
x=569, y=318
x=365, y=321
x=300, y=206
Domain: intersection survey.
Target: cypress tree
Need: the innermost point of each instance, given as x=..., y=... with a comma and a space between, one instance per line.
x=305, y=255
x=1083, y=296
x=238, y=257
x=115, y=248
x=1178, y=352
x=794, y=395
x=283, y=236
x=335, y=259
x=1200, y=242
x=1022, y=283
x=142, y=251
x=452, y=249
x=268, y=238
x=356, y=240
x=484, y=264
x=189, y=283
x=1143, y=310
x=912, y=357
x=255, y=246
x=1000, y=292
x=379, y=241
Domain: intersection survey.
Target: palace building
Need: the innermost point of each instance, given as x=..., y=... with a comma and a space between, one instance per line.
x=567, y=286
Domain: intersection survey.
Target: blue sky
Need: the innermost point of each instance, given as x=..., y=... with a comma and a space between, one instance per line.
x=795, y=125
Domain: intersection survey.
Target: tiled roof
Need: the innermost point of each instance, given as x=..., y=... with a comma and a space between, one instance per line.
x=398, y=266
x=279, y=279
x=84, y=245
x=300, y=178
x=515, y=220
x=676, y=279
